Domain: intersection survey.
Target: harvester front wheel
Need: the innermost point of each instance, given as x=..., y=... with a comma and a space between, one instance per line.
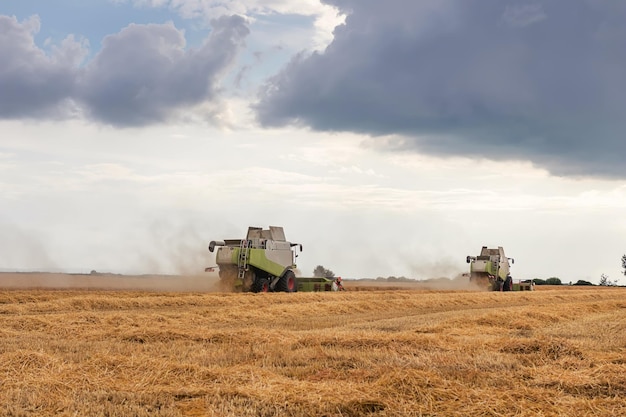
x=261, y=285
x=287, y=282
x=508, y=284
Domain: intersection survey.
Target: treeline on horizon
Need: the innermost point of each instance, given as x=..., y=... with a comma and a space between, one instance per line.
x=538, y=281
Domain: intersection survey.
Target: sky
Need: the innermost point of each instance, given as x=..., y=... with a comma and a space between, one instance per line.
x=388, y=138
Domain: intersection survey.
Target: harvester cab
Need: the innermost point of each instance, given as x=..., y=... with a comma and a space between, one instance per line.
x=263, y=261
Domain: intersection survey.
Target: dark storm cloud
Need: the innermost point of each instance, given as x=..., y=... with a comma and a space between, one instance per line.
x=537, y=80
x=142, y=75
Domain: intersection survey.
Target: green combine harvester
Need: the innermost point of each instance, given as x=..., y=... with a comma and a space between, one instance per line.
x=262, y=262
x=491, y=269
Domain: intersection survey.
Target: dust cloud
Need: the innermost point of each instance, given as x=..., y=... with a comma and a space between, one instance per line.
x=442, y=274
x=170, y=248
x=435, y=269
x=105, y=281
x=172, y=258
x=21, y=248
x=176, y=255
x=460, y=282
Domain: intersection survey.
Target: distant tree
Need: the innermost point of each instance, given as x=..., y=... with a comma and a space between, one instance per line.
x=582, y=282
x=321, y=272
x=553, y=281
x=539, y=281
x=393, y=278
x=624, y=264
x=606, y=282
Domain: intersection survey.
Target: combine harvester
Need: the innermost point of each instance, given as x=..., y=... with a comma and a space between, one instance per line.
x=491, y=269
x=262, y=262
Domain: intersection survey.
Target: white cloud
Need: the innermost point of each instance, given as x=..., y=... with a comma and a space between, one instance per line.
x=325, y=16
x=106, y=192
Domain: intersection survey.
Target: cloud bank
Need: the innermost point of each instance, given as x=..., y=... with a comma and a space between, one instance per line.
x=142, y=75
x=530, y=80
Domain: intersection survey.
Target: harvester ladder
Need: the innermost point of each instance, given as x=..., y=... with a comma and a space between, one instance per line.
x=242, y=263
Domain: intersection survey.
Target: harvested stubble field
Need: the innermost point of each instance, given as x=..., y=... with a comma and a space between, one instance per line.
x=357, y=353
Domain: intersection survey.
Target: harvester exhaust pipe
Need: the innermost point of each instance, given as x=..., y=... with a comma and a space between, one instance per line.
x=215, y=243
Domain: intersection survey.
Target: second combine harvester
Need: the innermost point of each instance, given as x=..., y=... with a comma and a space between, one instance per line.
x=491, y=270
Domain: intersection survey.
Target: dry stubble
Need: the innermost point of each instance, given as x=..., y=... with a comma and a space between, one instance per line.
x=379, y=353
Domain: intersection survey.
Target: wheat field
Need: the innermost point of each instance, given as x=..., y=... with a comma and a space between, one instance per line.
x=411, y=352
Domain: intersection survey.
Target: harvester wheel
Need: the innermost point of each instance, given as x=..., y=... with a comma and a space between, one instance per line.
x=508, y=284
x=287, y=282
x=261, y=285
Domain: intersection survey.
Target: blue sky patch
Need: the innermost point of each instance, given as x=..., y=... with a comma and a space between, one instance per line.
x=96, y=19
